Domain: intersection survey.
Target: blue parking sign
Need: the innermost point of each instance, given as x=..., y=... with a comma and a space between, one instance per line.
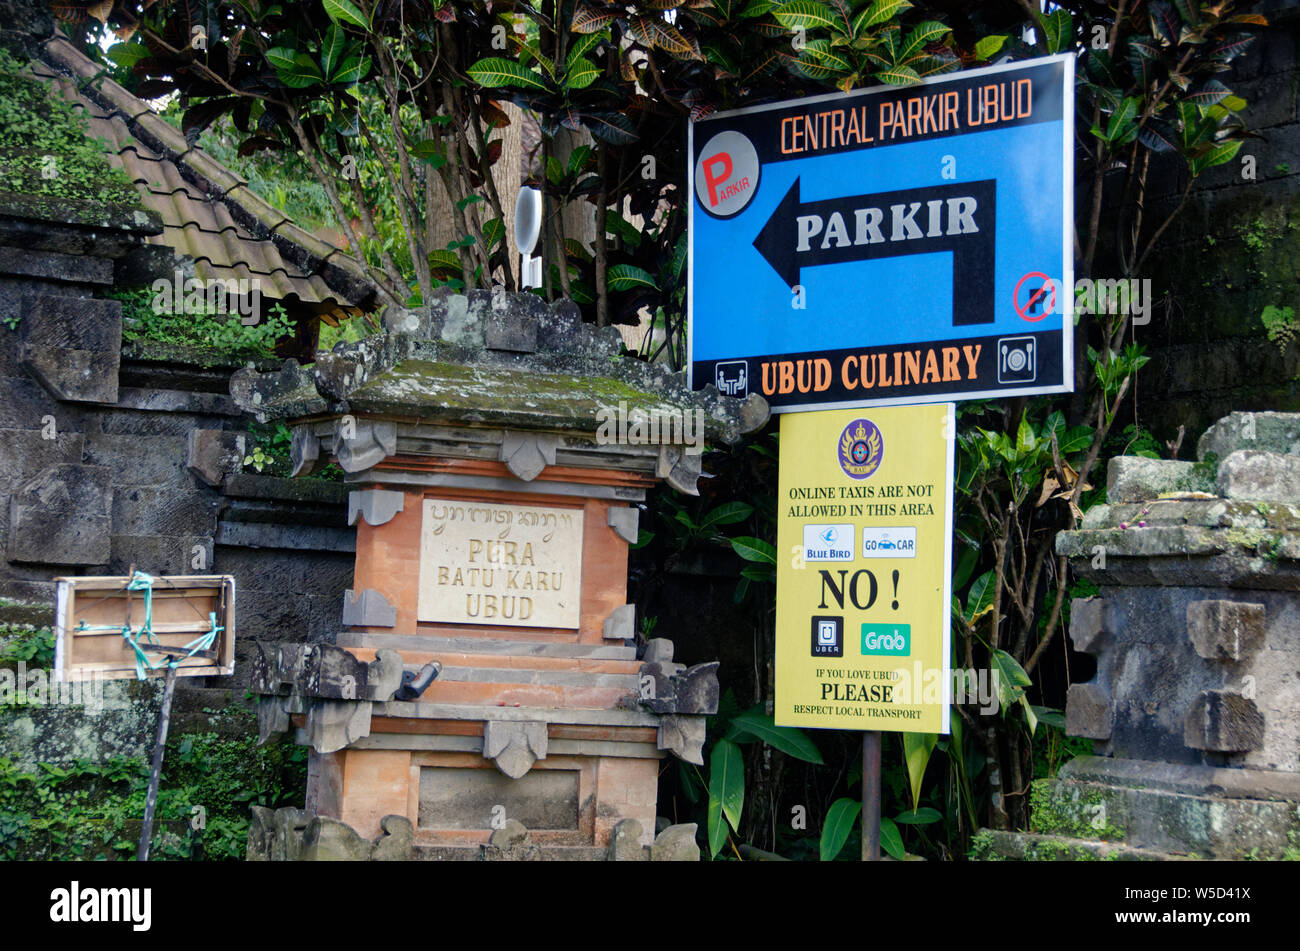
x=890, y=245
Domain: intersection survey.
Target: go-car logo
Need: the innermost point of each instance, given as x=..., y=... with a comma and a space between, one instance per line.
x=726, y=174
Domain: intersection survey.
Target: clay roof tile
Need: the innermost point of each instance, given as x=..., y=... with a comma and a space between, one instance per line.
x=209, y=214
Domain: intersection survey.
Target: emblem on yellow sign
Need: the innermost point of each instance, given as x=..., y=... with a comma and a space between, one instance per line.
x=861, y=448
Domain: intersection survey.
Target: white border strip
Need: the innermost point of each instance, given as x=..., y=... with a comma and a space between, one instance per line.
x=951, y=430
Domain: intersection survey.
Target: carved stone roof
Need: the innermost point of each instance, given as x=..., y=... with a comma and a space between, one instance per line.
x=501, y=361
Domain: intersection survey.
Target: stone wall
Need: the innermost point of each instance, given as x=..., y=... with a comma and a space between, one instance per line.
x=1228, y=256
x=114, y=456
x=1196, y=635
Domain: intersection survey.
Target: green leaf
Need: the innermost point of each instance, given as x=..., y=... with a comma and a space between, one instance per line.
x=1189, y=11
x=728, y=513
x=1143, y=57
x=1218, y=155
x=826, y=55
x=429, y=150
x=1058, y=30
x=727, y=780
x=987, y=47
x=583, y=44
x=878, y=12
x=301, y=73
x=441, y=260
x=617, y=225
x=612, y=127
x=811, y=69
x=1211, y=93
x=1025, y=439
x=1030, y=717
x=789, y=740
x=920, y=817
x=717, y=825
x=742, y=589
x=839, y=823
x=899, y=76
x=924, y=34
x=127, y=54
x=587, y=19
x=679, y=259
x=347, y=12
x=280, y=57
x=1012, y=680
x=1120, y=130
x=803, y=14
x=1075, y=439
x=929, y=66
x=331, y=49
x=352, y=70
x=980, y=597
x=496, y=73
x=578, y=159
x=754, y=549
x=965, y=567
x=890, y=839
x=580, y=73
x=625, y=277
x=917, y=748
x=756, y=8
x=1050, y=716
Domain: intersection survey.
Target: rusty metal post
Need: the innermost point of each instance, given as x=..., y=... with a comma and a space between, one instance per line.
x=871, y=796
x=151, y=800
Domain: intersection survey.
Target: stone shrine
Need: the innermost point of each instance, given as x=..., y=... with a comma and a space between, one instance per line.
x=485, y=688
x=1196, y=635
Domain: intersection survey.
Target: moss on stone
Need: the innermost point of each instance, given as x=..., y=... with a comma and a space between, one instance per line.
x=49, y=167
x=1046, y=851
x=157, y=351
x=498, y=394
x=1071, y=809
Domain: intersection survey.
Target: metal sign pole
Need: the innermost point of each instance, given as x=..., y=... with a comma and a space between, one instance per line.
x=871, y=796
x=151, y=800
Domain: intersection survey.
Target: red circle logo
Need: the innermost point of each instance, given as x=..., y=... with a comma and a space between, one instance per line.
x=1042, y=297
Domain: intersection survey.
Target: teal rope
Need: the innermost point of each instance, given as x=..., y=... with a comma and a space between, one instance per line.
x=144, y=638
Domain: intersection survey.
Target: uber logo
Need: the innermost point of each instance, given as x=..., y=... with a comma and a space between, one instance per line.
x=827, y=636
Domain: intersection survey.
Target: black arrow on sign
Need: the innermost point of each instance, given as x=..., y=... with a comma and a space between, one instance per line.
x=958, y=218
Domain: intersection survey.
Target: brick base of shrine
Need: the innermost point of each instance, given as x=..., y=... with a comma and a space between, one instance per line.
x=455, y=799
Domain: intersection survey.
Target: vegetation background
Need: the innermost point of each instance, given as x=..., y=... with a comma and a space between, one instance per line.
x=380, y=124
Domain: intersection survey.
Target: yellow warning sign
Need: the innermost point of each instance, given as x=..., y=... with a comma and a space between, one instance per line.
x=864, y=555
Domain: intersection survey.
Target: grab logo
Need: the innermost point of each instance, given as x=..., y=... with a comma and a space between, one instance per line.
x=890, y=640
x=726, y=174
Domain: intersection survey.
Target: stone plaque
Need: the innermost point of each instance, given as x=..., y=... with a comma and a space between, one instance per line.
x=489, y=563
x=464, y=798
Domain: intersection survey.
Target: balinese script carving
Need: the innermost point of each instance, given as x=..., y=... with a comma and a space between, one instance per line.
x=484, y=563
